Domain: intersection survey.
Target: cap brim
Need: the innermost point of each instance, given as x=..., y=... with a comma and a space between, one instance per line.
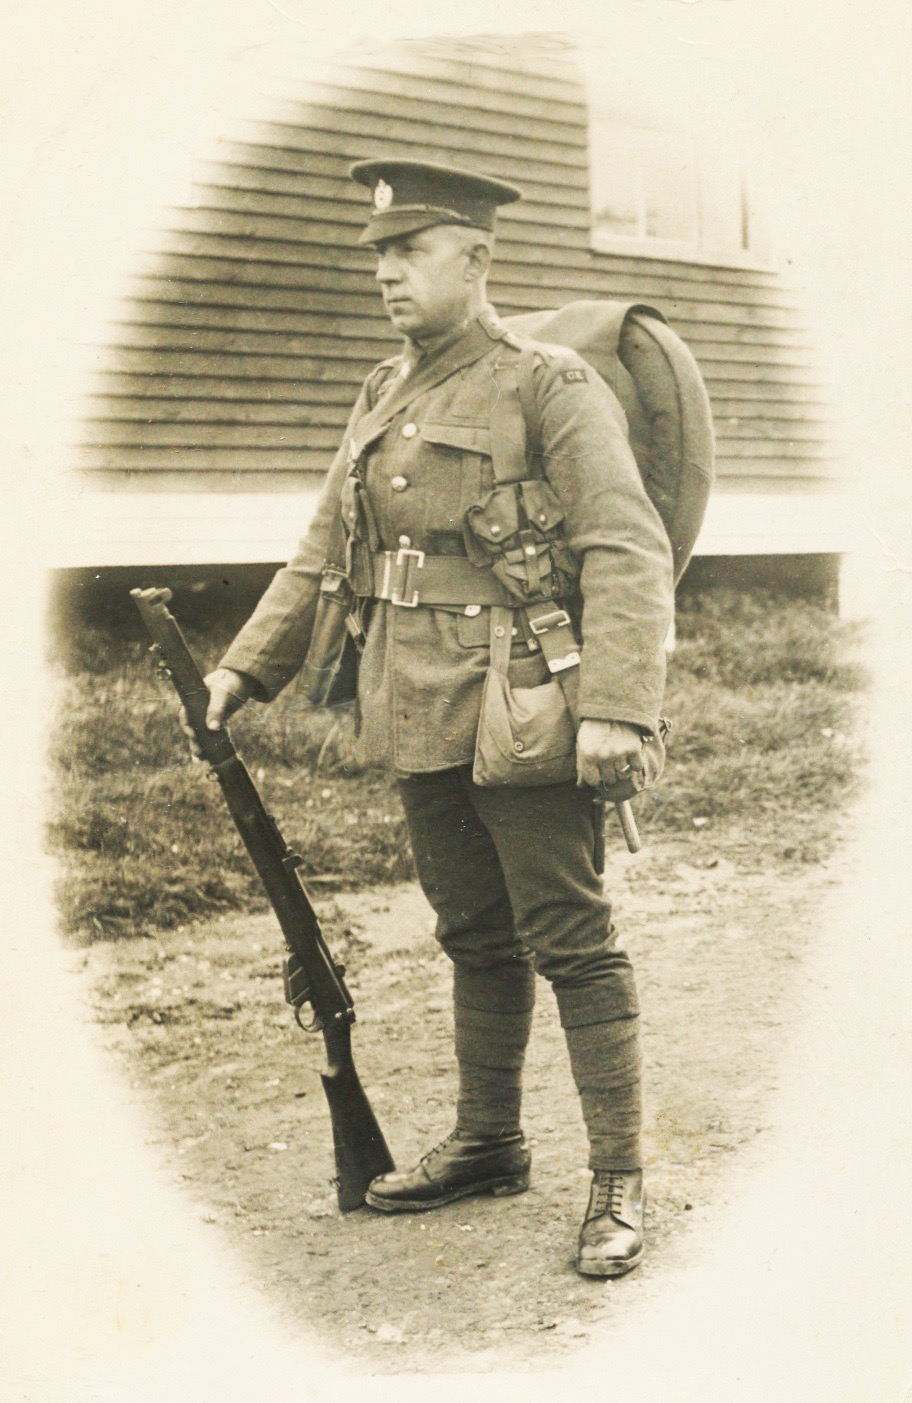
x=393, y=224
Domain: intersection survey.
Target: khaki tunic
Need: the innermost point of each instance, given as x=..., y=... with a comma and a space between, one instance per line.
x=422, y=670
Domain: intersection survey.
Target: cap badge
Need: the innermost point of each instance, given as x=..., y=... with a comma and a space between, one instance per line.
x=383, y=195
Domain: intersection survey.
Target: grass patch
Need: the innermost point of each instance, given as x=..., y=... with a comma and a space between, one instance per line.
x=763, y=692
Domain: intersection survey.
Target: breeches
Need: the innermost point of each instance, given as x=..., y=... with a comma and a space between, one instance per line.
x=509, y=873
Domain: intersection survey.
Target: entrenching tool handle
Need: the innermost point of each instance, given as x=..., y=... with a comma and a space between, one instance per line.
x=628, y=824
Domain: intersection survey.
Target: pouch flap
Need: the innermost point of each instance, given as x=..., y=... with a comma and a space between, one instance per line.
x=542, y=505
x=471, y=438
x=496, y=516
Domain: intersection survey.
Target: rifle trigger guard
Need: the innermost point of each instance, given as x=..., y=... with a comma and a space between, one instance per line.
x=314, y=1026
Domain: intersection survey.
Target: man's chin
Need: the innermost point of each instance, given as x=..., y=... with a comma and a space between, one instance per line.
x=404, y=320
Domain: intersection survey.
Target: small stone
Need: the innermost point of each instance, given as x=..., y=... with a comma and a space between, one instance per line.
x=390, y=1335
x=278, y=1145
x=571, y=1327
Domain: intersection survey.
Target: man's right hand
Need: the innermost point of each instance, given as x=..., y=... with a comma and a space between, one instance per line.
x=228, y=691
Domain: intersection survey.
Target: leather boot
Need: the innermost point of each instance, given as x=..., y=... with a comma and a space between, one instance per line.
x=460, y=1166
x=611, y=1238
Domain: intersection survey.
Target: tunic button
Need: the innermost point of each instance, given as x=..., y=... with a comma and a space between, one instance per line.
x=398, y=484
x=495, y=530
x=472, y=611
x=409, y=430
x=499, y=631
x=405, y=542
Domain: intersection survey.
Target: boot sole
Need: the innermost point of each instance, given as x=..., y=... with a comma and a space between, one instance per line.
x=496, y=1188
x=608, y=1269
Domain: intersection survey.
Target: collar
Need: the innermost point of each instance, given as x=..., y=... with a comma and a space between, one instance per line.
x=414, y=355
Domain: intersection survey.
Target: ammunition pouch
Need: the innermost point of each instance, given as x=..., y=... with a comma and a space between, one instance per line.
x=517, y=530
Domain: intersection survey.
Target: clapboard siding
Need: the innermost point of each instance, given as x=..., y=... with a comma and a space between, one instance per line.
x=253, y=315
x=222, y=307
x=349, y=266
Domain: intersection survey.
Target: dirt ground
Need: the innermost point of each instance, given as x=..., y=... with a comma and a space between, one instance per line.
x=232, y=1086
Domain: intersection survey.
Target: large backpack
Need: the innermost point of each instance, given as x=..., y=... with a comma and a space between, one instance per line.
x=661, y=391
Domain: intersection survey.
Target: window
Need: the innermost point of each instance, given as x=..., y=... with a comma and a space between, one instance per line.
x=655, y=185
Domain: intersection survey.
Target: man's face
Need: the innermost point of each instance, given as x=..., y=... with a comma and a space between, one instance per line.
x=427, y=281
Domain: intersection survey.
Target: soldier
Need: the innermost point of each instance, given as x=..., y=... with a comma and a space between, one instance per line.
x=419, y=522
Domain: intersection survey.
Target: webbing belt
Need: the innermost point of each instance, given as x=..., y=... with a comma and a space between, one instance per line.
x=410, y=577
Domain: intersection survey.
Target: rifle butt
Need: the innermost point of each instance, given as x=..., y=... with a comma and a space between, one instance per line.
x=361, y=1151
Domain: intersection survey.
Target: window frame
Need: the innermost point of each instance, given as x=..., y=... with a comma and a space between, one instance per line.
x=642, y=245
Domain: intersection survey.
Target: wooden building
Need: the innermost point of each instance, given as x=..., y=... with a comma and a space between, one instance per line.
x=225, y=385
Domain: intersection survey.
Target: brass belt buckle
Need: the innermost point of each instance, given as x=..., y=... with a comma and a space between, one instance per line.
x=408, y=560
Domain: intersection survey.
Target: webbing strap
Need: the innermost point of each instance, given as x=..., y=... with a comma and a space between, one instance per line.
x=501, y=639
x=517, y=456
x=525, y=389
x=554, y=634
x=508, y=427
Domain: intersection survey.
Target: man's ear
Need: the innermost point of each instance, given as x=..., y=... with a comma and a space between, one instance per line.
x=478, y=262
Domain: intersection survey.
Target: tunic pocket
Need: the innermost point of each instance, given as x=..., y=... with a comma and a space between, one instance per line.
x=469, y=437
x=459, y=458
x=473, y=630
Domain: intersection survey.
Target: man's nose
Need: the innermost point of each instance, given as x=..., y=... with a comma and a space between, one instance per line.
x=388, y=269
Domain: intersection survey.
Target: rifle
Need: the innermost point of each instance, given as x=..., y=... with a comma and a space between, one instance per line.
x=311, y=975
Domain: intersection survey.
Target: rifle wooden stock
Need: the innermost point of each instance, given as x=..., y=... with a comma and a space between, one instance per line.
x=311, y=975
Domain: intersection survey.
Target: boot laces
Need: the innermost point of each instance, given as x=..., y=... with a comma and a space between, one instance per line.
x=609, y=1194
x=453, y=1135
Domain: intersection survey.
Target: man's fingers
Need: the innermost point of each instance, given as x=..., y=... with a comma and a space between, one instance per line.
x=217, y=709
x=226, y=696
x=586, y=771
x=603, y=769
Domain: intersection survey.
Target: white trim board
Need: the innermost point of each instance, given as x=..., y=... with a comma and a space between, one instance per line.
x=105, y=529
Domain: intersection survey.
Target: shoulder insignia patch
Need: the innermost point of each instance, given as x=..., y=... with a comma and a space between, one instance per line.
x=576, y=376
